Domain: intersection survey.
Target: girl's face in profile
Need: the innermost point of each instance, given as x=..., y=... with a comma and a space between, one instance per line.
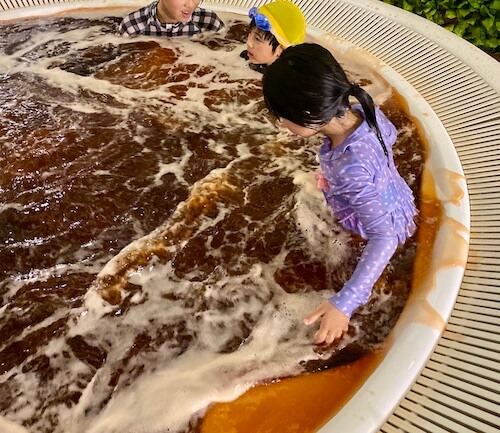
x=301, y=131
x=259, y=50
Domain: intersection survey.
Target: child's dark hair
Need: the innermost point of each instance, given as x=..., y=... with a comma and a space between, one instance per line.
x=267, y=36
x=308, y=87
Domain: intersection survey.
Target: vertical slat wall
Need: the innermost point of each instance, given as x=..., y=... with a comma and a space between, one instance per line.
x=458, y=391
x=14, y=4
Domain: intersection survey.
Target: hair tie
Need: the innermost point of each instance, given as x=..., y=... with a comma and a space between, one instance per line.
x=353, y=89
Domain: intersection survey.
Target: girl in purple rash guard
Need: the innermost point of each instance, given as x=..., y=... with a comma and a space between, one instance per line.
x=308, y=90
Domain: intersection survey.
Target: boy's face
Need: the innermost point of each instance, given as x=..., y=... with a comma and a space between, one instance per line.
x=174, y=11
x=260, y=51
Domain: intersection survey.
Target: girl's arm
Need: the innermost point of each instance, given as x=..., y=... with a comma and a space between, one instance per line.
x=375, y=257
x=355, y=186
x=337, y=311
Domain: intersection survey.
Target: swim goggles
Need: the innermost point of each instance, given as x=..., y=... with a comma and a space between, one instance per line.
x=260, y=19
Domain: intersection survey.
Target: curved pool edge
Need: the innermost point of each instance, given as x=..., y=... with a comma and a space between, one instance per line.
x=411, y=341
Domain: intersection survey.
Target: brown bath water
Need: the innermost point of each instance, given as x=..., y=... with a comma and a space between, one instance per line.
x=164, y=147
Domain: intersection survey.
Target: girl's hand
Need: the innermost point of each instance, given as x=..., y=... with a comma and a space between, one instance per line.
x=333, y=323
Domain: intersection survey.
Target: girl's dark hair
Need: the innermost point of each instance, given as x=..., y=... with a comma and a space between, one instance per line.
x=267, y=36
x=308, y=87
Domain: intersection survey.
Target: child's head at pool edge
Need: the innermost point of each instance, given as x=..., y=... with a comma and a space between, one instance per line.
x=307, y=88
x=274, y=27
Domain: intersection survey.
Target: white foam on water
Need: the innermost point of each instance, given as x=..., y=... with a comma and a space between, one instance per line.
x=200, y=338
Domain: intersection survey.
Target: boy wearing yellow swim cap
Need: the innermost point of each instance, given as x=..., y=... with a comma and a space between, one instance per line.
x=274, y=27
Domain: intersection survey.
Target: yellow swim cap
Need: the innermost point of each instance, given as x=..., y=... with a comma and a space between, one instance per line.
x=288, y=24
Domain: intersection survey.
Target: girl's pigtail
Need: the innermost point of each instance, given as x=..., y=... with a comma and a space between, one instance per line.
x=368, y=106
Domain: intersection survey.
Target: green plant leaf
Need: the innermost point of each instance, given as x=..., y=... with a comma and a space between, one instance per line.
x=489, y=23
x=463, y=13
x=484, y=11
x=477, y=21
x=407, y=6
x=479, y=34
x=460, y=28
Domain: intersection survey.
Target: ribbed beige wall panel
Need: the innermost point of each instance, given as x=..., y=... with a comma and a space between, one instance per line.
x=410, y=421
x=452, y=372
x=453, y=397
